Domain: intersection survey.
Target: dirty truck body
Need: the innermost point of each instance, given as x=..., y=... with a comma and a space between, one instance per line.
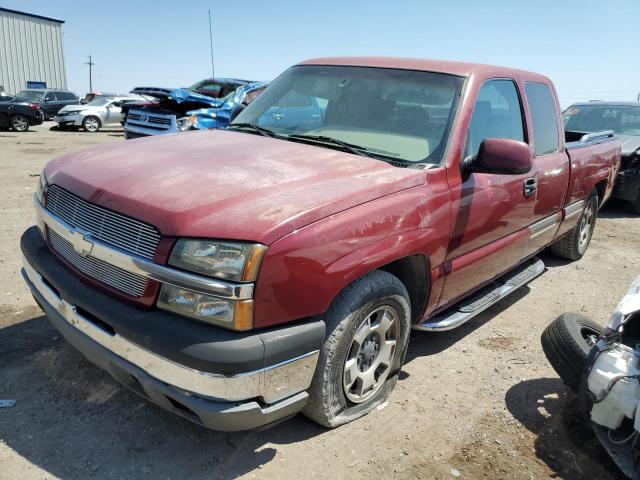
x=236, y=277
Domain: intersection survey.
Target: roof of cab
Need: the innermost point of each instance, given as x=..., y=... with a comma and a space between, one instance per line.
x=463, y=69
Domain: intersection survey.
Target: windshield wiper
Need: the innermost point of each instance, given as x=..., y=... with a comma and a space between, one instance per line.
x=355, y=149
x=262, y=131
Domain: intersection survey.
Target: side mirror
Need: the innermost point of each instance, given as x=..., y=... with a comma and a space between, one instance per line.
x=500, y=156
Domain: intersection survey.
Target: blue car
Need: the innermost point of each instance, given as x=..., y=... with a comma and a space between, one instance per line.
x=178, y=110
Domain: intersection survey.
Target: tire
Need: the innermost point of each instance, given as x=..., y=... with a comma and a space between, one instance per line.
x=567, y=342
x=574, y=244
x=91, y=124
x=377, y=302
x=20, y=123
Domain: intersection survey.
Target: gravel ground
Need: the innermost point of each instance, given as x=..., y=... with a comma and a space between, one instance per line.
x=480, y=402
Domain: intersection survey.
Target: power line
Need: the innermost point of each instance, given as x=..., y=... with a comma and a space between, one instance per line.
x=91, y=64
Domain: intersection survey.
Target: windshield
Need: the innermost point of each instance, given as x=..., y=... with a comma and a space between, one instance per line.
x=622, y=119
x=401, y=115
x=30, y=95
x=100, y=101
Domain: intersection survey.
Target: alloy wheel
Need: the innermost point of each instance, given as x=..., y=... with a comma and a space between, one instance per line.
x=371, y=354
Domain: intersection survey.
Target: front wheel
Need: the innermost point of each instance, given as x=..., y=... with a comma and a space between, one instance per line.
x=91, y=124
x=20, y=123
x=575, y=243
x=368, y=329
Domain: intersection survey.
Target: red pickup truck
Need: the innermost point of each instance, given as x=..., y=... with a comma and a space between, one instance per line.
x=237, y=277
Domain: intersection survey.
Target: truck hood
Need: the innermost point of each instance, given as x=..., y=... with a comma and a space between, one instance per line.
x=179, y=95
x=223, y=184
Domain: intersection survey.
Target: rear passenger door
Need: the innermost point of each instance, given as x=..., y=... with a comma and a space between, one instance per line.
x=490, y=213
x=551, y=163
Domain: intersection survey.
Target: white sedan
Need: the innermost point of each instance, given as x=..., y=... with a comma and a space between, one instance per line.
x=102, y=111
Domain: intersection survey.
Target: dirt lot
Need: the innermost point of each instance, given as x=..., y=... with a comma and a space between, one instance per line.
x=480, y=401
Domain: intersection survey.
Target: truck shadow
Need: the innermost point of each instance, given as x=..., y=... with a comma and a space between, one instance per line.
x=565, y=443
x=426, y=343
x=616, y=209
x=74, y=421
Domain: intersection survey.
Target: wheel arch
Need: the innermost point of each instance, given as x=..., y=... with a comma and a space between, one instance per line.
x=414, y=273
x=601, y=188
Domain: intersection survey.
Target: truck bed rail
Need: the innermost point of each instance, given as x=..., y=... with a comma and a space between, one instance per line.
x=586, y=139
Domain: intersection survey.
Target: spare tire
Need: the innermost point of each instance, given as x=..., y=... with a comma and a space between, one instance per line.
x=567, y=342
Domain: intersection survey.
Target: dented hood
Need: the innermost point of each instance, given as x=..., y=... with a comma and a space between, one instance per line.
x=179, y=95
x=223, y=184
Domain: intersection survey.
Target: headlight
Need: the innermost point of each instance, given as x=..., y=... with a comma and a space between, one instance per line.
x=185, y=123
x=232, y=314
x=42, y=187
x=230, y=260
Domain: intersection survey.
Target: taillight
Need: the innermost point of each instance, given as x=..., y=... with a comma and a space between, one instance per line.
x=33, y=105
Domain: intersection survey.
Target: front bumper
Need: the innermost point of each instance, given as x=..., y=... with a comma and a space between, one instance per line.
x=69, y=120
x=220, y=379
x=627, y=186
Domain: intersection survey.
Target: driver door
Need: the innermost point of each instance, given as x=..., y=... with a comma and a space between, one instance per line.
x=490, y=213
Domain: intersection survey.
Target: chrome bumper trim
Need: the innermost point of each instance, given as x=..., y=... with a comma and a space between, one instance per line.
x=272, y=383
x=574, y=209
x=546, y=224
x=138, y=265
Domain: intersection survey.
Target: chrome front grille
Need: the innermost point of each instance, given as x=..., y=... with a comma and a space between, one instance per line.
x=115, y=277
x=151, y=120
x=120, y=231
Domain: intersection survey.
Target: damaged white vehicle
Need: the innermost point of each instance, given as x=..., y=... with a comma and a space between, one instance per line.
x=602, y=366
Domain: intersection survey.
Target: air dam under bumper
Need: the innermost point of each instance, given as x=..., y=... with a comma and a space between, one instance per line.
x=224, y=392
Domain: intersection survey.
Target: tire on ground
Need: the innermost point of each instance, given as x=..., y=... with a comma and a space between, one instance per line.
x=328, y=404
x=89, y=121
x=565, y=345
x=569, y=245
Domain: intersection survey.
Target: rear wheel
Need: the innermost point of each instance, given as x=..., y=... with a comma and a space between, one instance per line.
x=567, y=342
x=368, y=329
x=91, y=124
x=575, y=243
x=20, y=123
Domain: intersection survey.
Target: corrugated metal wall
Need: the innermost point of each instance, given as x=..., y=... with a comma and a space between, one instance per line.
x=31, y=49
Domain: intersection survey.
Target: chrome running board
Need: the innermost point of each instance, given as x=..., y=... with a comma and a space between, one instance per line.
x=480, y=301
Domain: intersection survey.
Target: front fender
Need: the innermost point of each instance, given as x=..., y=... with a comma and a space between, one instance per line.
x=304, y=271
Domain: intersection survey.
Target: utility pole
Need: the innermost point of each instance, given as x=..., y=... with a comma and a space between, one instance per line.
x=91, y=64
x=213, y=72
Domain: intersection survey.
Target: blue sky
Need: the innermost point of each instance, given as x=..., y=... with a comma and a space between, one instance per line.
x=589, y=48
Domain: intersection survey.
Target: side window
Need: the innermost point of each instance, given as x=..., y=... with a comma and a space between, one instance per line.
x=543, y=117
x=496, y=114
x=50, y=97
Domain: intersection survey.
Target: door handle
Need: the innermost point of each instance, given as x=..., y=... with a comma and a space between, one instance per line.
x=530, y=186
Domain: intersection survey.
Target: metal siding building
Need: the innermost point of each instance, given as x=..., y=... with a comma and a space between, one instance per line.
x=31, y=50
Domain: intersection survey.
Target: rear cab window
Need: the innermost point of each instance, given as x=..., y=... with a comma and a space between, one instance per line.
x=543, y=118
x=496, y=114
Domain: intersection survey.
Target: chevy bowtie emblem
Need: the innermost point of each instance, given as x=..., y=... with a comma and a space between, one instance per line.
x=79, y=241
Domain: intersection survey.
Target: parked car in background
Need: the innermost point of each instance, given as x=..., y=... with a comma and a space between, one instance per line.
x=180, y=110
x=240, y=275
x=624, y=119
x=102, y=111
x=49, y=100
x=19, y=114
x=91, y=96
